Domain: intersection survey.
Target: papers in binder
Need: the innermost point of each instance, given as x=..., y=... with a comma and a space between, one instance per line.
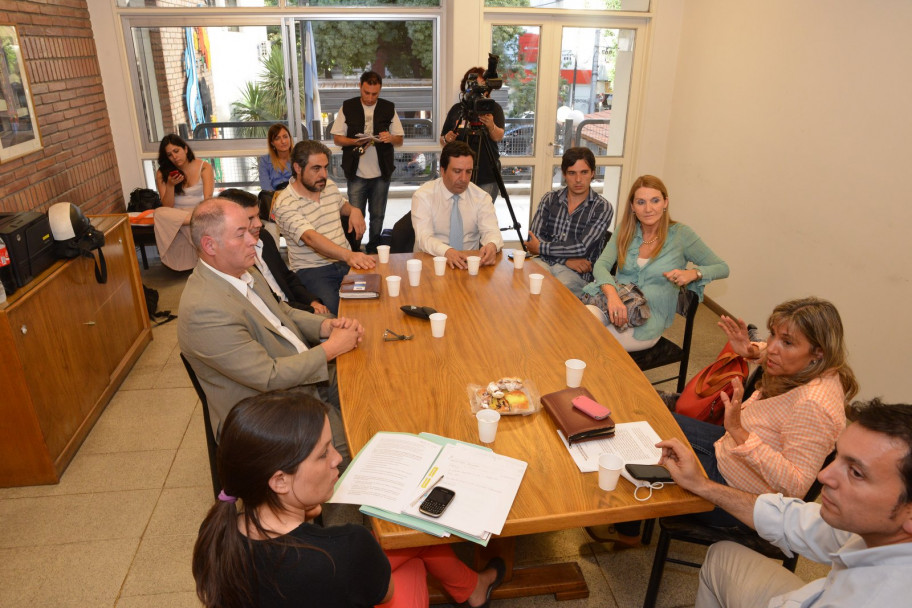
x=394, y=468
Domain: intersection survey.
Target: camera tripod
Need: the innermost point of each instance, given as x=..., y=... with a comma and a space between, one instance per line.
x=484, y=147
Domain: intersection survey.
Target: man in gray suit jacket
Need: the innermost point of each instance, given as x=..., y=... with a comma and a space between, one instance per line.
x=238, y=338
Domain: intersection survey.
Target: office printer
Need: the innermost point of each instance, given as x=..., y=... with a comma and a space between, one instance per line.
x=28, y=240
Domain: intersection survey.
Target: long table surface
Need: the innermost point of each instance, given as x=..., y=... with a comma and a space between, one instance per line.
x=496, y=328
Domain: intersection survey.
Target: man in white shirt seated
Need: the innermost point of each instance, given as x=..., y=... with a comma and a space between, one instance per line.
x=238, y=338
x=452, y=216
x=863, y=526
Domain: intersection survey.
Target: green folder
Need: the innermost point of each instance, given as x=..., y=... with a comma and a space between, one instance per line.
x=420, y=524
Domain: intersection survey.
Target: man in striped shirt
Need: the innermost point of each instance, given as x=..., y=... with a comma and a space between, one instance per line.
x=570, y=224
x=308, y=214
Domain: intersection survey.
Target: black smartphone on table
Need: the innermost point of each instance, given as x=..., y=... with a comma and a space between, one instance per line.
x=653, y=473
x=437, y=501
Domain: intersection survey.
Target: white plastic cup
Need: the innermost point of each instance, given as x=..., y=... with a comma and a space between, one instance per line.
x=474, y=262
x=575, y=368
x=487, y=425
x=383, y=253
x=414, y=272
x=438, y=324
x=535, y=283
x=440, y=265
x=392, y=285
x=610, y=466
x=519, y=259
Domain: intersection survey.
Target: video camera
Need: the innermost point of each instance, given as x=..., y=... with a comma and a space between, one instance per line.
x=474, y=99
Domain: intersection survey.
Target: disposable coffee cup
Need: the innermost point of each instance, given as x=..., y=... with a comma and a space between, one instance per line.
x=519, y=259
x=575, y=369
x=439, y=265
x=474, y=262
x=383, y=253
x=392, y=285
x=535, y=283
x=438, y=324
x=610, y=466
x=414, y=272
x=487, y=425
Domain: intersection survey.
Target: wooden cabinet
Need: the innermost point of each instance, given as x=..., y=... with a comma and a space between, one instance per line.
x=66, y=344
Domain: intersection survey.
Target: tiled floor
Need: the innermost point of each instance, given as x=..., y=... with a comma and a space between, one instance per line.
x=119, y=528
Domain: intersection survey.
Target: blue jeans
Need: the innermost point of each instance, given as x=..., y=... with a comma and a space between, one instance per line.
x=491, y=188
x=370, y=195
x=324, y=283
x=570, y=278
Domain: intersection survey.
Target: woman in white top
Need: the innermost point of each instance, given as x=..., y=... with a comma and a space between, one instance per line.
x=183, y=181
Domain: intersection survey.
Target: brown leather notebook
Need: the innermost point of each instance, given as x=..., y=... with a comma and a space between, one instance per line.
x=575, y=425
x=360, y=286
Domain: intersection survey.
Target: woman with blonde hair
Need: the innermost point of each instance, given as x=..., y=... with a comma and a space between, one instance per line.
x=275, y=166
x=652, y=252
x=258, y=547
x=777, y=440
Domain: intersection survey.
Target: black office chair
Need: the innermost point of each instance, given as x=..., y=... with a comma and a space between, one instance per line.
x=686, y=529
x=211, y=446
x=403, y=237
x=666, y=352
x=264, y=198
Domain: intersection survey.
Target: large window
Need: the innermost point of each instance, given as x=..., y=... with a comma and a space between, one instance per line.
x=211, y=82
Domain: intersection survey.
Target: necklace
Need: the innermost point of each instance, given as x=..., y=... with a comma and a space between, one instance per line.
x=652, y=240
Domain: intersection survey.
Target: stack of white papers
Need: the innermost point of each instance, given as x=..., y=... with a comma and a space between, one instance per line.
x=634, y=442
x=393, y=471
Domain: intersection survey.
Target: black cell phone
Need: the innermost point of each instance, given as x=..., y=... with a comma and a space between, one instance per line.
x=649, y=472
x=436, y=502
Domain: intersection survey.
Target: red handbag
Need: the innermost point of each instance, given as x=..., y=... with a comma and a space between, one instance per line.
x=701, y=398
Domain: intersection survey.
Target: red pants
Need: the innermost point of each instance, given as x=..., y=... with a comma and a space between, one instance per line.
x=410, y=569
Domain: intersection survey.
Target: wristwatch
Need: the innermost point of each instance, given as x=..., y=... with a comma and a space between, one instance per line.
x=699, y=274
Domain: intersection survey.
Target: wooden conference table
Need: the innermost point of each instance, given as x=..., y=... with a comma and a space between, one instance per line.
x=496, y=328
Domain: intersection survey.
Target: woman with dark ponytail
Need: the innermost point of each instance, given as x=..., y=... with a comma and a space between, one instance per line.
x=257, y=546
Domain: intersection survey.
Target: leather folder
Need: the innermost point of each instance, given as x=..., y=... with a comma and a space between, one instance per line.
x=360, y=286
x=575, y=425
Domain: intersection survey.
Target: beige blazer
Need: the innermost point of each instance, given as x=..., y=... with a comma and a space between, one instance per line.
x=235, y=351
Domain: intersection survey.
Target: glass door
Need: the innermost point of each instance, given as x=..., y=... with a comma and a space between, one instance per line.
x=567, y=82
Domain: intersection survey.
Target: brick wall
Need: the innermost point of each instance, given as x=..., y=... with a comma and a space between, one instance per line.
x=77, y=163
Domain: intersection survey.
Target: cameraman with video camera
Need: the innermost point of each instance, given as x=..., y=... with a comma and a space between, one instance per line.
x=478, y=121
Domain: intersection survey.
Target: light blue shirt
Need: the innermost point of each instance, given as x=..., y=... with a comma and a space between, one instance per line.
x=270, y=177
x=681, y=246
x=860, y=576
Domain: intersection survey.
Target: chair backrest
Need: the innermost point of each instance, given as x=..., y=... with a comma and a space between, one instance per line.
x=211, y=445
x=403, y=238
x=264, y=198
x=688, y=303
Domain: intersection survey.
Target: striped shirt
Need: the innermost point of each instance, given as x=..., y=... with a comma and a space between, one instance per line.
x=789, y=437
x=564, y=235
x=296, y=214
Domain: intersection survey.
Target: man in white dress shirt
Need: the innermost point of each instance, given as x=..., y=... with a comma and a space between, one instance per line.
x=452, y=216
x=862, y=526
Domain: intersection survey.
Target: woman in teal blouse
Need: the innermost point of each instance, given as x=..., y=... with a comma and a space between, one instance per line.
x=653, y=252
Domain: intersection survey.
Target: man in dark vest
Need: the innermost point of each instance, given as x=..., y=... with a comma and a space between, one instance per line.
x=368, y=128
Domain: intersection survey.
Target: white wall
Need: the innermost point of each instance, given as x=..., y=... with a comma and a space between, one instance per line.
x=118, y=94
x=788, y=150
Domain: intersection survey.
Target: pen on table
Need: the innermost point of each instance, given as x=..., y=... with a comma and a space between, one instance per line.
x=426, y=491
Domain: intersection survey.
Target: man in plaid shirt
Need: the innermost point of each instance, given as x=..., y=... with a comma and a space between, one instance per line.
x=570, y=224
